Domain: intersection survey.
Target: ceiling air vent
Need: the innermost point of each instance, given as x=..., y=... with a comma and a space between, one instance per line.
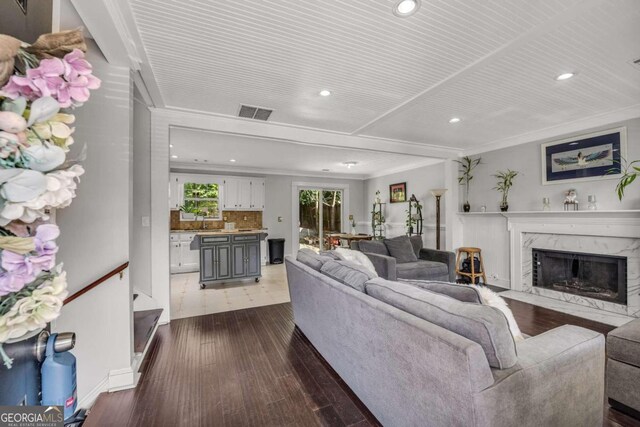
x=256, y=113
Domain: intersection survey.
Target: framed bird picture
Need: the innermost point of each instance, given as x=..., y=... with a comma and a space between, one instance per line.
x=593, y=156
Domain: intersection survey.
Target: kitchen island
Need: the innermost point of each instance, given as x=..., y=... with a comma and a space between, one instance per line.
x=228, y=255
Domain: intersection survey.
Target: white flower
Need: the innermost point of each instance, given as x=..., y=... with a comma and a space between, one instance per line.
x=35, y=311
x=21, y=185
x=60, y=190
x=44, y=157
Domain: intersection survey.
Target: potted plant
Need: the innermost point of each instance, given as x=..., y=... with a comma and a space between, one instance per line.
x=505, y=182
x=467, y=165
x=189, y=213
x=629, y=174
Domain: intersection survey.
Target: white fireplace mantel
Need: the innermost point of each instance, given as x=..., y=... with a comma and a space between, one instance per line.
x=606, y=232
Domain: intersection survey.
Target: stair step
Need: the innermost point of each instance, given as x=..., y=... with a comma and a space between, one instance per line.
x=144, y=322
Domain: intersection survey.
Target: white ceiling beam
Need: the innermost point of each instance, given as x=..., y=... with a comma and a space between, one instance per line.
x=517, y=43
x=290, y=133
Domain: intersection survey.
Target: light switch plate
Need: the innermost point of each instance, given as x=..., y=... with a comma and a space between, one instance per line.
x=146, y=221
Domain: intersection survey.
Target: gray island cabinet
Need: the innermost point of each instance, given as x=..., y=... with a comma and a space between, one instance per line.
x=226, y=257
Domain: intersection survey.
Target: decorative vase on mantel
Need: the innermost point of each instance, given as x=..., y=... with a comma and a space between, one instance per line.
x=466, y=207
x=504, y=207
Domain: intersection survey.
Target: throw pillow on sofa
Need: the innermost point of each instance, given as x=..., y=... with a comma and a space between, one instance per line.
x=357, y=257
x=473, y=294
x=311, y=259
x=348, y=273
x=462, y=293
x=482, y=324
x=401, y=249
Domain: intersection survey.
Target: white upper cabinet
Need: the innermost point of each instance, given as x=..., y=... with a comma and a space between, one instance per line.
x=257, y=194
x=231, y=193
x=242, y=193
x=175, y=198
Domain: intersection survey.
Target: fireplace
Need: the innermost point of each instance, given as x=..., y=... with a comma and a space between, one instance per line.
x=602, y=277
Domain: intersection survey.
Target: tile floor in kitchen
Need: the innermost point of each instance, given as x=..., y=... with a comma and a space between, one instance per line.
x=188, y=300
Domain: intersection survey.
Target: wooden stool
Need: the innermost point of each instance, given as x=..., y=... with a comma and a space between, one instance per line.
x=471, y=253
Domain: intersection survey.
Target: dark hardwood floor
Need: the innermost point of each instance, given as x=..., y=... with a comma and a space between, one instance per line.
x=255, y=368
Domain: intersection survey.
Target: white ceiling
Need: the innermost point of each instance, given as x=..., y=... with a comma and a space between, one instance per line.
x=491, y=63
x=213, y=151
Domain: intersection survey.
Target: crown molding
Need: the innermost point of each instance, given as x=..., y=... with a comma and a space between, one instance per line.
x=580, y=125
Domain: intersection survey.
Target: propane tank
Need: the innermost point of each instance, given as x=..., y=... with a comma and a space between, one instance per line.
x=59, y=373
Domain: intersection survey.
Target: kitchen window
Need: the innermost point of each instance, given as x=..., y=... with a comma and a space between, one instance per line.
x=200, y=200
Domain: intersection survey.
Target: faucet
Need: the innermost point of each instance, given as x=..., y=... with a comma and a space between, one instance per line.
x=204, y=224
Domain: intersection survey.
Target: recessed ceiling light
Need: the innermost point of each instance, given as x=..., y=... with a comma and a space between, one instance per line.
x=170, y=145
x=232, y=160
x=349, y=165
x=565, y=76
x=405, y=8
x=174, y=157
x=325, y=92
x=454, y=120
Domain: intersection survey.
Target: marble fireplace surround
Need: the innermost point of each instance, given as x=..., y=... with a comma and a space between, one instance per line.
x=595, y=232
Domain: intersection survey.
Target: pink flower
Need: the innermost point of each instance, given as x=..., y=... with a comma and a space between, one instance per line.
x=75, y=65
x=68, y=80
x=46, y=78
x=22, y=269
x=44, y=240
x=10, y=282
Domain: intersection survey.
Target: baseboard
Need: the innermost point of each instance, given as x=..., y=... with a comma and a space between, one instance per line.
x=88, y=400
x=121, y=379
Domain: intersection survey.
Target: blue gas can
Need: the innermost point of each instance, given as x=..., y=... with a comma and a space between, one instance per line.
x=59, y=378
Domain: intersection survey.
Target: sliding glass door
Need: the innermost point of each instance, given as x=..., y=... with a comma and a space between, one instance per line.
x=320, y=216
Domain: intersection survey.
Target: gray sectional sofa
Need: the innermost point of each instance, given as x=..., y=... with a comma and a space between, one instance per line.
x=623, y=368
x=404, y=257
x=459, y=368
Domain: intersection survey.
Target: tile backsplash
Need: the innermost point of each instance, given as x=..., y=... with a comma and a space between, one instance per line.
x=253, y=220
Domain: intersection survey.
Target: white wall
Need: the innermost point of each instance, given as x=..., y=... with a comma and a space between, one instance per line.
x=95, y=233
x=419, y=182
x=528, y=191
x=141, y=197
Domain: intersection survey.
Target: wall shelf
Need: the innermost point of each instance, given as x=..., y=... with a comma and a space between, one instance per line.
x=624, y=213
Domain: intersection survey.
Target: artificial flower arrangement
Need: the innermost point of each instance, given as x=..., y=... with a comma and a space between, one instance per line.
x=39, y=85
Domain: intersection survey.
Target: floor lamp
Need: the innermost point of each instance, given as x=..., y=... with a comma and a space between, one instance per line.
x=438, y=193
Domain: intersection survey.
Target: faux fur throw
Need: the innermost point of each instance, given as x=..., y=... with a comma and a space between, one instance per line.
x=492, y=299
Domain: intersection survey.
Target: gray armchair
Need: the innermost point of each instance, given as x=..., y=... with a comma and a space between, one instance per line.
x=430, y=264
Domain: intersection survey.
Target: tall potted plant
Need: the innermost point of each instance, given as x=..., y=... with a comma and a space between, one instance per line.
x=505, y=182
x=467, y=165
